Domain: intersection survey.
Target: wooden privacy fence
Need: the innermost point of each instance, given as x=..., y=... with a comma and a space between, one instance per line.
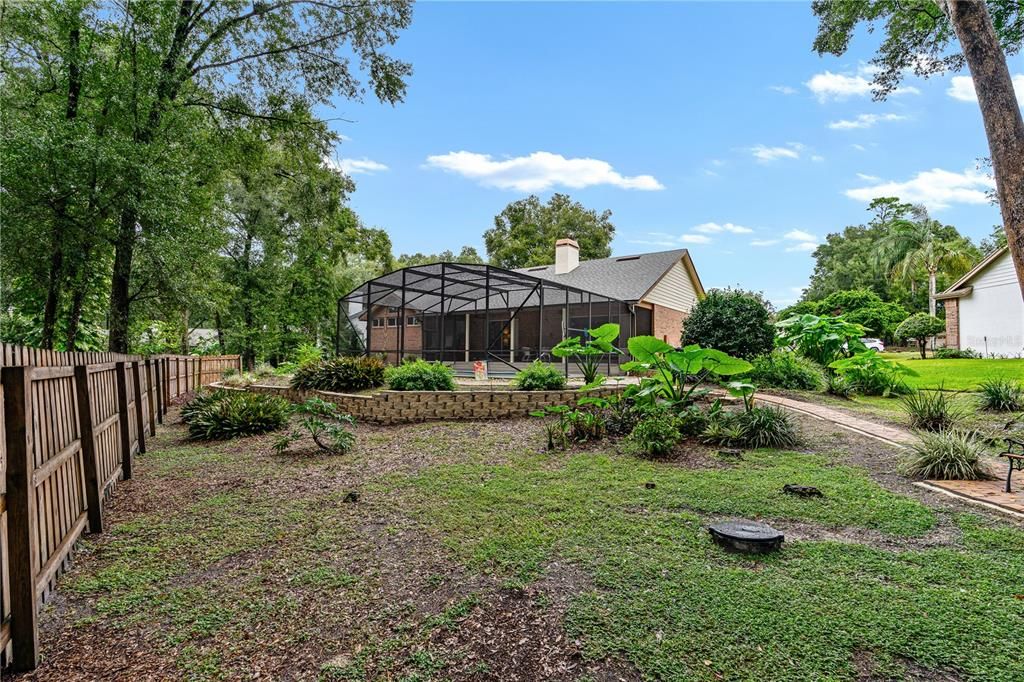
x=71, y=425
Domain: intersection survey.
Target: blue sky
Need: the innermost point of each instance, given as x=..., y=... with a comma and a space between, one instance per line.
x=709, y=126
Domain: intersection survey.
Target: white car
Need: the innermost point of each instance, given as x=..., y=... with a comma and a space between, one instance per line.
x=875, y=344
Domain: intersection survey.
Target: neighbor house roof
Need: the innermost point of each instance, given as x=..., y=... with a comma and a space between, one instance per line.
x=627, y=278
x=961, y=286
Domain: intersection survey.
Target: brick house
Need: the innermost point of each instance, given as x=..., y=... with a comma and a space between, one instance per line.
x=462, y=313
x=985, y=310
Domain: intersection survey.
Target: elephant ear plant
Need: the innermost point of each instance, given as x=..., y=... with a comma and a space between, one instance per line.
x=676, y=375
x=587, y=354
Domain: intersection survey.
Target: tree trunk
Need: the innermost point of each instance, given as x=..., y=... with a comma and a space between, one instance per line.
x=931, y=293
x=120, y=281
x=51, y=307
x=1000, y=112
x=53, y=284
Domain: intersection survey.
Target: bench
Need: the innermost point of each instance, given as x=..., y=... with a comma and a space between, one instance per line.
x=1014, y=459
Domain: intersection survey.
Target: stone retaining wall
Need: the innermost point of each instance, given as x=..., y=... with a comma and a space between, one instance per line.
x=401, y=407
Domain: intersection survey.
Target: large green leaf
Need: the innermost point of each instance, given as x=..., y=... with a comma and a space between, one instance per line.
x=645, y=348
x=606, y=333
x=724, y=364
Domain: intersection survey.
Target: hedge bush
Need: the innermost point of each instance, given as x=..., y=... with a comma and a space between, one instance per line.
x=340, y=374
x=956, y=354
x=733, y=321
x=420, y=375
x=539, y=376
x=221, y=415
x=785, y=369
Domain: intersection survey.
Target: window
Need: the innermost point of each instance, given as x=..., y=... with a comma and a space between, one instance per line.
x=412, y=321
x=378, y=322
x=393, y=309
x=392, y=321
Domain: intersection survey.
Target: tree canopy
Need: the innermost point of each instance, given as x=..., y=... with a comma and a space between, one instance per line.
x=525, y=232
x=143, y=143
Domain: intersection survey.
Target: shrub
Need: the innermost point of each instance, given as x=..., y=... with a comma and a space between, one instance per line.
x=420, y=375
x=1001, y=395
x=952, y=454
x=765, y=426
x=869, y=373
x=838, y=386
x=324, y=424
x=956, y=354
x=344, y=373
x=768, y=426
x=539, y=376
x=918, y=327
x=263, y=370
x=784, y=369
x=221, y=415
x=655, y=435
x=932, y=410
x=306, y=354
x=733, y=321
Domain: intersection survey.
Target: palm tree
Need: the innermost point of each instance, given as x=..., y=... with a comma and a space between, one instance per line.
x=915, y=246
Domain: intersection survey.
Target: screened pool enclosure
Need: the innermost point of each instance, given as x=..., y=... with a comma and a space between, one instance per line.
x=462, y=313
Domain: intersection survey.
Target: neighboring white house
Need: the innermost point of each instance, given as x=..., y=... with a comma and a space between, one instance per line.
x=985, y=310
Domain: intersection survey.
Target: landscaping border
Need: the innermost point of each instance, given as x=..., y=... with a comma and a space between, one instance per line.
x=404, y=407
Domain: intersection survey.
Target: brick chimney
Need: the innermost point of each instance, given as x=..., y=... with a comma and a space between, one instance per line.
x=567, y=256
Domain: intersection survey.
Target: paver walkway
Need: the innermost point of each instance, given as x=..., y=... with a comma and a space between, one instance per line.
x=989, y=493
x=888, y=434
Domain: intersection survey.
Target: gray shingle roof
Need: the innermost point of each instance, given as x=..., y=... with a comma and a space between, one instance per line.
x=626, y=278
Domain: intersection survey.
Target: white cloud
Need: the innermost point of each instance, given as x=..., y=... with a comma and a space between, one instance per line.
x=868, y=178
x=344, y=138
x=538, y=171
x=859, y=147
x=764, y=242
x=962, y=88
x=836, y=86
x=935, y=188
x=800, y=236
x=803, y=246
x=766, y=154
x=864, y=121
x=784, y=89
x=695, y=239
x=717, y=228
x=817, y=158
x=804, y=241
x=356, y=166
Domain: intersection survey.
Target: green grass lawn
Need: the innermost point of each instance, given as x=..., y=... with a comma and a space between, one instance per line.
x=223, y=559
x=957, y=375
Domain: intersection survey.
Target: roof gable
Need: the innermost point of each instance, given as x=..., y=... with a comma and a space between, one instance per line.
x=964, y=281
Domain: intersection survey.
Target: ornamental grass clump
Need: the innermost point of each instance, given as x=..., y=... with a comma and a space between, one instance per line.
x=420, y=375
x=340, y=374
x=539, y=376
x=222, y=415
x=947, y=455
x=932, y=410
x=1001, y=395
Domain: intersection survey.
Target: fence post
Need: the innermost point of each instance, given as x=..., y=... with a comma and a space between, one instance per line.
x=140, y=422
x=150, y=397
x=93, y=497
x=22, y=541
x=167, y=384
x=123, y=417
x=199, y=372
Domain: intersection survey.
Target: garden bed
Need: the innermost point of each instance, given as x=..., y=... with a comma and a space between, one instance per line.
x=403, y=407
